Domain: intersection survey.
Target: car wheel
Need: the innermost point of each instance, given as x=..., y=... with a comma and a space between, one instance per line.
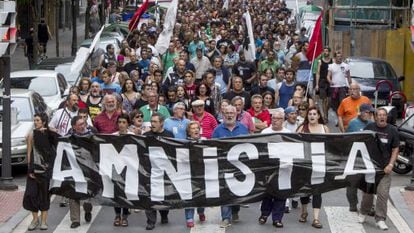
x=401, y=168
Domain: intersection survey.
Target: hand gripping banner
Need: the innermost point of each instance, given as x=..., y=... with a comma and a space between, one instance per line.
x=164, y=173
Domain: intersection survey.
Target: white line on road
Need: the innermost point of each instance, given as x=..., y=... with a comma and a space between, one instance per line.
x=397, y=219
x=341, y=220
x=212, y=223
x=64, y=226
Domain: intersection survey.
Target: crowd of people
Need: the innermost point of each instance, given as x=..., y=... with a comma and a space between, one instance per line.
x=204, y=87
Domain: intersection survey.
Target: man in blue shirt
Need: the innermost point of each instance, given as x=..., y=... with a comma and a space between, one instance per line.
x=229, y=128
x=177, y=124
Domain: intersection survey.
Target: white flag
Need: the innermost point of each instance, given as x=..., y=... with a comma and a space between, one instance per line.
x=169, y=23
x=226, y=4
x=250, y=49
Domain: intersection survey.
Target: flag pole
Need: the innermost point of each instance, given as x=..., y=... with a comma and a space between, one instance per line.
x=310, y=71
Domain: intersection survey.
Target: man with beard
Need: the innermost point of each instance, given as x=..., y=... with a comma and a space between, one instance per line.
x=106, y=121
x=60, y=122
x=269, y=62
x=152, y=107
x=176, y=77
x=94, y=99
x=246, y=70
x=229, y=128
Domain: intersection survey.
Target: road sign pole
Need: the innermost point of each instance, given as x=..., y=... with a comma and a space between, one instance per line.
x=6, y=179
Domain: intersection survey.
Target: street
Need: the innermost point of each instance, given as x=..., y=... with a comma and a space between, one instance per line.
x=335, y=216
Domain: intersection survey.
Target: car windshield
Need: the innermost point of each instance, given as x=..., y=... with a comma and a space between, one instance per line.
x=45, y=86
x=370, y=70
x=22, y=105
x=408, y=124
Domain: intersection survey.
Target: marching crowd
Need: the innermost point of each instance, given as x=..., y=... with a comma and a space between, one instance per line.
x=205, y=87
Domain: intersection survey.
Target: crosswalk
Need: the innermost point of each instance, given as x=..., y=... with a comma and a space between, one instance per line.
x=336, y=219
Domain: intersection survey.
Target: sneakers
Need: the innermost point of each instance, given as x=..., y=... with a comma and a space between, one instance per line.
x=74, y=225
x=202, y=217
x=33, y=225
x=235, y=217
x=150, y=226
x=361, y=218
x=43, y=226
x=225, y=223
x=381, y=225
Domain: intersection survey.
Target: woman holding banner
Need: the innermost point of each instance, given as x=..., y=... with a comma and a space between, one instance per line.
x=313, y=123
x=193, y=133
x=41, y=150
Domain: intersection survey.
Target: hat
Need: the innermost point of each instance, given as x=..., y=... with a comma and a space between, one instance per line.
x=120, y=57
x=290, y=109
x=197, y=103
x=366, y=108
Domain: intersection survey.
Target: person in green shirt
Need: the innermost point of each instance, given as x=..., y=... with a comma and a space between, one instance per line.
x=269, y=62
x=168, y=57
x=153, y=106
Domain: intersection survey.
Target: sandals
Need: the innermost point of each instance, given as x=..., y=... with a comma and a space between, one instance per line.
x=124, y=222
x=303, y=217
x=117, y=221
x=262, y=219
x=316, y=224
x=278, y=224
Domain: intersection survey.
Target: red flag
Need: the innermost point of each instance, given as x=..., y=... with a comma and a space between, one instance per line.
x=135, y=19
x=315, y=44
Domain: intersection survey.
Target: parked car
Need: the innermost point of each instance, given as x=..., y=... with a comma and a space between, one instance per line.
x=368, y=72
x=24, y=104
x=60, y=65
x=52, y=86
x=102, y=43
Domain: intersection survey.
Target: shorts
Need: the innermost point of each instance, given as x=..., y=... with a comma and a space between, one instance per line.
x=323, y=88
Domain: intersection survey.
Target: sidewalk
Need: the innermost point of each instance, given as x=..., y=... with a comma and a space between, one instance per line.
x=404, y=202
x=11, y=213
x=20, y=62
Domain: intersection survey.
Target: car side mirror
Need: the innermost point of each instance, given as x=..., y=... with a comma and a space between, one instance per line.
x=401, y=78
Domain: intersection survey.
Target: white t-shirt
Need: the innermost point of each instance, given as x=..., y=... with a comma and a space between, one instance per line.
x=270, y=130
x=339, y=74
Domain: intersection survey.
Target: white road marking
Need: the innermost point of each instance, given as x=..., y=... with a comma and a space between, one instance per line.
x=64, y=225
x=212, y=223
x=23, y=225
x=397, y=219
x=341, y=220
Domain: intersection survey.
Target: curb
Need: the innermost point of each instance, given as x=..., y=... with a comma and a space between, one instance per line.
x=401, y=206
x=14, y=221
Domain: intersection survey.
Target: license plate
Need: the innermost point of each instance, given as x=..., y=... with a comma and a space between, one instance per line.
x=379, y=101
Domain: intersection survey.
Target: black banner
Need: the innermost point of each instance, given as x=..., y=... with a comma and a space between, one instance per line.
x=140, y=172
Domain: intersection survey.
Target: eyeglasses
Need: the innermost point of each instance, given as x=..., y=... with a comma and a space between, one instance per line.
x=138, y=116
x=302, y=109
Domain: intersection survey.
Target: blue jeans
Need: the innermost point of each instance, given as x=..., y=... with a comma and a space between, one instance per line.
x=274, y=206
x=189, y=213
x=228, y=211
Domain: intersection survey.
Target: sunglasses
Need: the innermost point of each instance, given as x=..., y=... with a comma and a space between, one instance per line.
x=138, y=116
x=302, y=109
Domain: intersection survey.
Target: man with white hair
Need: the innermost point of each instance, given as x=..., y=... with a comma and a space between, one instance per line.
x=106, y=121
x=177, y=124
x=276, y=126
x=229, y=128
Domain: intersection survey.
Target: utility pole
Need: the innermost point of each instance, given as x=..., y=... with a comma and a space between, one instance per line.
x=7, y=46
x=74, y=30
x=57, y=16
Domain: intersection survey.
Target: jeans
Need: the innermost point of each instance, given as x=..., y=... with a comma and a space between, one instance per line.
x=274, y=206
x=189, y=213
x=228, y=211
x=383, y=193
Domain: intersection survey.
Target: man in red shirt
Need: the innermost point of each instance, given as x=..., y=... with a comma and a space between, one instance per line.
x=207, y=121
x=106, y=121
x=260, y=116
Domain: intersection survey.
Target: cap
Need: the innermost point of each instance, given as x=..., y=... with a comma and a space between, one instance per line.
x=120, y=58
x=290, y=109
x=366, y=108
x=197, y=103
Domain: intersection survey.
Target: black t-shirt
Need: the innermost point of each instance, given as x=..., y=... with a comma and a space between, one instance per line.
x=388, y=136
x=244, y=70
x=245, y=95
x=29, y=44
x=130, y=67
x=164, y=133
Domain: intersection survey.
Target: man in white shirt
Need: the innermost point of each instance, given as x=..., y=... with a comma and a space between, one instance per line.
x=339, y=79
x=201, y=64
x=60, y=122
x=278, y=117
